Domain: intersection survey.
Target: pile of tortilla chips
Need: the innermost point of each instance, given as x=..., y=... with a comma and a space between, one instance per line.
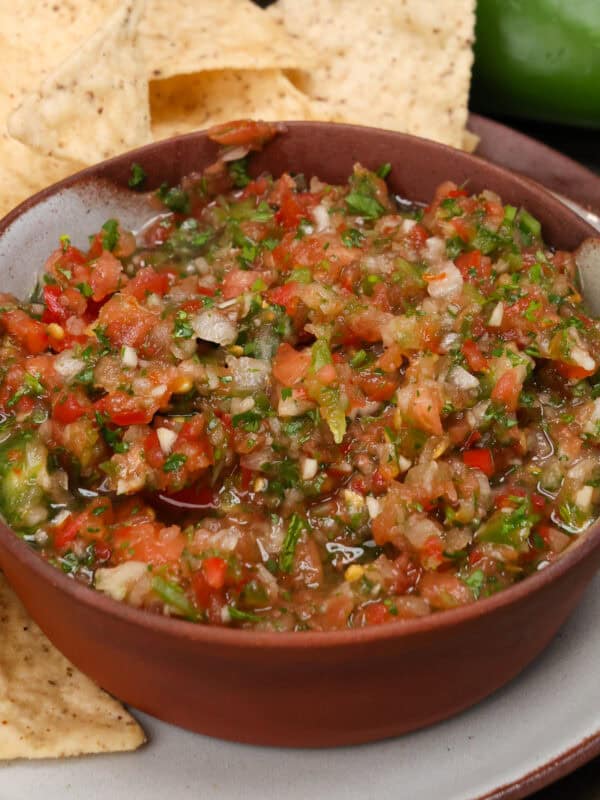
x=47, y=708
x=86, y=79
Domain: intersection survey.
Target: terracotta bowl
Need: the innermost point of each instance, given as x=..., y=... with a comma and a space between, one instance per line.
x=297, y=689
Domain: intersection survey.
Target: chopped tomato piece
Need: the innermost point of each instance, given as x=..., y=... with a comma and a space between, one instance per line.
x=123, y=409
x=572, y=372
x=215, y=570
x=69, y=407
x=251, y=133
x=106, y=275
x=376, y=614
x=239, y=281
x=290, y=366
x=28, y=332
x=480, y=458
x=474, y=357
x=148, y=281
x=508, y=389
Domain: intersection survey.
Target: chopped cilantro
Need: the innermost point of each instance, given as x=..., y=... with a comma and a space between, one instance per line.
x=182, y=328
x=296, y=525
x=137, y=177
x=110, y=234
x=352, y=237
x=174, y=198
x=238, y=172
x=174, y=462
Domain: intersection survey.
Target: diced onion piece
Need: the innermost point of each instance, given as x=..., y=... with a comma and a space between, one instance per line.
x=447, y=282
x=373, y=506
x=214, y=327
x=166, y=439
x=404, y=464
x=463, y=379
x=496, y=316
x=583, y=498
x=309, y=468
x=129, y=356
x=116, y=582
x=239, y=405
x=67, y=365
x=582, y=358
x=321, y=218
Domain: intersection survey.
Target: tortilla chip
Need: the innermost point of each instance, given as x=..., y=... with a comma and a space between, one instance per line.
x=402, y=66
x=95, y=104
x=187, y=103
x=470, y=141
x=180, y=37
x=48, y=709
x=35, y=36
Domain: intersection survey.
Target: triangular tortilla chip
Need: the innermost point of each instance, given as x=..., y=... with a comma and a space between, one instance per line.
x=34, y=38
x=180, y=37
x=48, y=709
x=95, y=104
x=402, y=66
x=189, y=102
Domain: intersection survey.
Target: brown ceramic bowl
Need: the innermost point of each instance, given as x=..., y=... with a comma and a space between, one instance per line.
x=301, y=689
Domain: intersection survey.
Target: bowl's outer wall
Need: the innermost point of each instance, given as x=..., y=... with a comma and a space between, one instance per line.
x=304, y=694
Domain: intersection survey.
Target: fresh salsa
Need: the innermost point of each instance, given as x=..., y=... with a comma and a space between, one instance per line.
x=289, y=405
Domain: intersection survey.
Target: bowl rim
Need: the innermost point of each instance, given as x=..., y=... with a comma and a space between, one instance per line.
x=28, y=558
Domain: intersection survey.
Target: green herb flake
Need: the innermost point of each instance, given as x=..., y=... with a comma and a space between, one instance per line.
x=174, y=462
x=296, y=525
x=182, y=328
x=110, y=234
x=137, y=176
x=320, y=355
x=242, y=616
x=475, y=581
x=173, y=595
x=238, y=172
x=352, y=237
x=175, y=199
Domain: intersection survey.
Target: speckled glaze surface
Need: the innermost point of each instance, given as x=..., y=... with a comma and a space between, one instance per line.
x=306, y=689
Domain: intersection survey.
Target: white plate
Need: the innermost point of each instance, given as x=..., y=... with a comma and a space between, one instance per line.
x=552, y=708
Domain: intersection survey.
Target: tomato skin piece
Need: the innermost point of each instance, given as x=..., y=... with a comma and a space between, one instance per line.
x=286, y=296
x=68, y=408
x=572, y=372
x=153, y=451
x=294, y=207
x=29, y=333
x=54, y=311
x=507, y=389
x=106, y=275
x=215, y=570
x=67, y=532
x=378, y=387
x=480, y=458
x=147, y=281
x=122, y=409
x=474, y=357
x=376, y=614
x=248, y=132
